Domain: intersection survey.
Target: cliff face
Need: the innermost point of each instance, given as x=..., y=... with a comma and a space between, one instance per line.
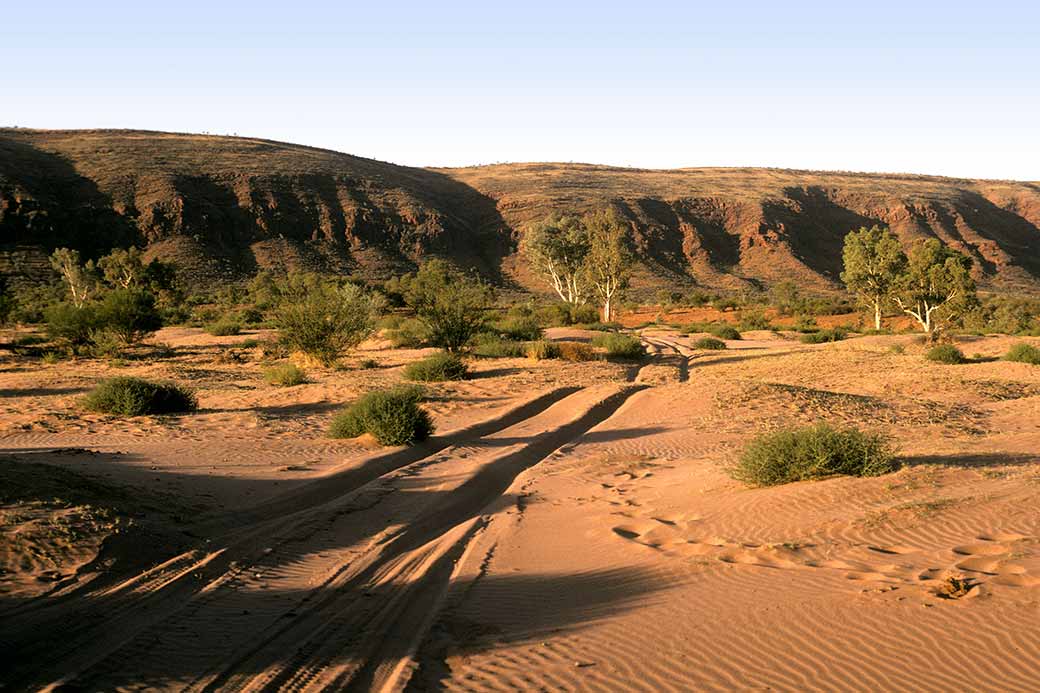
x=225, y=207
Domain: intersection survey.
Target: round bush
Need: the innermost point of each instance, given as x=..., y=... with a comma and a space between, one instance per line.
x=1023, y=353
x=126, y=396
x=392, y=417
x=725, y=332
x=709, y=343
x=814, y=452
x=440, y=366
x=224, y=328
x=285, y=374
x=622, y=346
x=945, y=353
x=576, y=351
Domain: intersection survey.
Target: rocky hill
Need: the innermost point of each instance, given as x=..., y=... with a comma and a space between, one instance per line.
x=223, y=207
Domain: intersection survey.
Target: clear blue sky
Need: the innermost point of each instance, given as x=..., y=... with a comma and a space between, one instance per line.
x=932, y=87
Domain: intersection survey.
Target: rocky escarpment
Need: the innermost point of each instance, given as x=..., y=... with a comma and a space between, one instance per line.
x=225, y=207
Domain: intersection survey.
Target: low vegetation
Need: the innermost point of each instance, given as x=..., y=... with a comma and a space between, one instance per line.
x=822, y=336
x=945, y=353
x=392, y=417
x=285, y=375
x=709, y=343
x=438, y=367
x=328, y=321
x=542, y=349
x=576, y=351
x=620, y=346
x=492, y=346
x=1023, y=353
x=126, y=396
x=813, y=452
x=224, y=328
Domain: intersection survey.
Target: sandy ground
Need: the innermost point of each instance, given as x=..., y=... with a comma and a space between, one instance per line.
x=570, y=527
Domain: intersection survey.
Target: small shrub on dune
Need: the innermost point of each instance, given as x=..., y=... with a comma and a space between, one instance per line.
x=285, y=375
x=576, y=351
x=224, y=328
x=542, y=349
x=126, y=396
x=709, y=343
x=620, y=346
x=1023, y=353
x=392, y=417
x=822, y=336
x=945, y=353
x=368, y=364
x=725, y=332
x=814, y=452
x=440, y=366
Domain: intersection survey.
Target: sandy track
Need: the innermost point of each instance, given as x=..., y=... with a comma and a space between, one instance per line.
x=367, y=551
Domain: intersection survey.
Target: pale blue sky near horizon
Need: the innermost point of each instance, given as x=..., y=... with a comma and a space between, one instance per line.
x=948, y=88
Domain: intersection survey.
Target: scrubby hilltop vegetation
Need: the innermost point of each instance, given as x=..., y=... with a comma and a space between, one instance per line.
x=225, y=207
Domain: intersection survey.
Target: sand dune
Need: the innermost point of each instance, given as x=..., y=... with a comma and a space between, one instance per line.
x=570, y=527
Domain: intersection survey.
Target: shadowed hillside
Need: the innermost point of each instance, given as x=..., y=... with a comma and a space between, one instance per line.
x=223, y=207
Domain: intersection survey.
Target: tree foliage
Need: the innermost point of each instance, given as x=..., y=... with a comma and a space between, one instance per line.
x=937, y=285
x=609, y=259
x=556, y=249
x=874, y=263
x=80, y=279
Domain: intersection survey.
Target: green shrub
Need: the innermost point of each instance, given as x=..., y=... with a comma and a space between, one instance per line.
x=392, y=417
x=576, y=351
x=130, y=314
x=368, y=364
x=1023, y=353
x=451, y=305
x=435, y=368
x=327, y=321
x=492, y=346
x=408, y=334
x=126, y=396
x=709, y=343
x=725, y=332
x=721, y=330
x=622, y=346
x=813, y=452
x=285, y=374
x=565, y=314
x=833, y=335
x=224, y=327
x=105, y=344
x=755, y=320
x=945, y=353
x=542, y=349
x=71, y=323
x=251, y=315
x=519, y=329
